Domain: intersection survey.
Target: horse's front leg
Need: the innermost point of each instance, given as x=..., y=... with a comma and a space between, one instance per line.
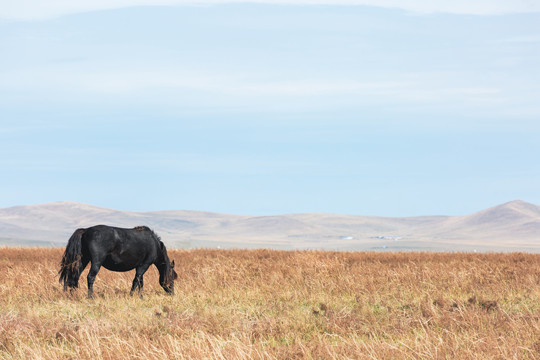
x=138, y=280
x=137, y=283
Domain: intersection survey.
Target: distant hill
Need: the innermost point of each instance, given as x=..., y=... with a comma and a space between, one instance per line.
x=514, y=226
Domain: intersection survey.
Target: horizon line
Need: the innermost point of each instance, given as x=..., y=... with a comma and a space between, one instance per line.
x=58, y=202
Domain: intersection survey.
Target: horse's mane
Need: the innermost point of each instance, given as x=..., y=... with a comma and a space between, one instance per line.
x=142, y=228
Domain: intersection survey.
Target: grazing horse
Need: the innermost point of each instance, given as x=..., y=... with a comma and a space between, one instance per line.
x=115, y=249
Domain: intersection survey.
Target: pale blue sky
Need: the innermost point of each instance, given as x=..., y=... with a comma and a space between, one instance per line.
x=257, y=108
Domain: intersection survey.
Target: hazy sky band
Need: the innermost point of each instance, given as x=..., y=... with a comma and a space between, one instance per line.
x=36, y=9
x=257, y=108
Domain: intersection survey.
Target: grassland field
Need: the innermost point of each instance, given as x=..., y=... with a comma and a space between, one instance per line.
x=264, y=304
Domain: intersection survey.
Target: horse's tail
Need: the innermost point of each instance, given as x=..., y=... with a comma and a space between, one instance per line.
x=69, y=266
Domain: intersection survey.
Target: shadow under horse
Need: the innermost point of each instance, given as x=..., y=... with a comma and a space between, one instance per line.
x=115, y=249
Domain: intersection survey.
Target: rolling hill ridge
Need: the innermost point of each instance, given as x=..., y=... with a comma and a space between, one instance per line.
x=513, y=226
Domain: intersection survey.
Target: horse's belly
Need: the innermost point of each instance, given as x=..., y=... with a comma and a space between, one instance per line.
x=111, y=264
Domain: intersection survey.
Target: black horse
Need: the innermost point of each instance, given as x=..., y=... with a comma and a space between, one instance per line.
x=116, y=249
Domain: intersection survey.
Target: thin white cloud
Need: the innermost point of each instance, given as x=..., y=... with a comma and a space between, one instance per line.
x=230, y=89
x=472, y=91
x=133, y=81
x=521, y=39
x=39, y=9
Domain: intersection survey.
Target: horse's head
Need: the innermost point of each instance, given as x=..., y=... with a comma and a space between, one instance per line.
x=173, y=273
x=169, y=279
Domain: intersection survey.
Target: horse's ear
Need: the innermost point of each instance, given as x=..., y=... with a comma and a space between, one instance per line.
x=172, y=264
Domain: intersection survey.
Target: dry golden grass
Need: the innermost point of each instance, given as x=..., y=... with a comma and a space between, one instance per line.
x=264, y=304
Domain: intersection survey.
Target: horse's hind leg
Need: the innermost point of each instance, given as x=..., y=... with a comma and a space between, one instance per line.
x=82, y=264
x=94, y=269
x=138, y=280
x=75, y=281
